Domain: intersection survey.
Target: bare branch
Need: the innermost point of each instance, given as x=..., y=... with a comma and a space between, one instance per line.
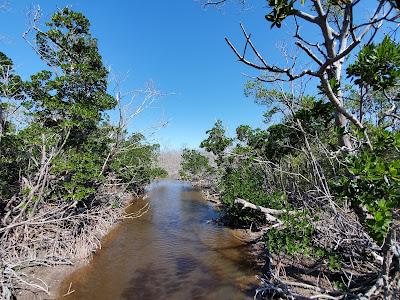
x=264, y=65
x=308, y=52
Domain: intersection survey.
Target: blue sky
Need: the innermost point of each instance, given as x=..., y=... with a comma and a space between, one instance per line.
x=177, y=44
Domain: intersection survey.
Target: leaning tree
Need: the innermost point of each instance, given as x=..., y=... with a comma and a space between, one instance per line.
x=350, y=48
x=338, y=28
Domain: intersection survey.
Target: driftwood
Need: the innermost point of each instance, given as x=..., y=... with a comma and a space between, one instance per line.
x=270, y=211
x=270, y=214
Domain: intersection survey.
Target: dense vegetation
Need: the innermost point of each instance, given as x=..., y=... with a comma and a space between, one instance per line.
x=320, y=182
x=326, y=171
x=61, y=159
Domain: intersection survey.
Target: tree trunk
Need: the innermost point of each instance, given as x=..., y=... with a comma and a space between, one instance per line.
x=2, y=122
x=342, y=136
x=340, y=119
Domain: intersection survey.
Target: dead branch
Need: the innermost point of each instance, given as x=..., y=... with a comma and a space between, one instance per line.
x=269, y=211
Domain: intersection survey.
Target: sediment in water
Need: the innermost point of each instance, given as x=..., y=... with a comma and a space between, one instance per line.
x=174, y=251
x=43, y=280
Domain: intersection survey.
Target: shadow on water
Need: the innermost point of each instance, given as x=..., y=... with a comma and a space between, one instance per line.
x=174, y=251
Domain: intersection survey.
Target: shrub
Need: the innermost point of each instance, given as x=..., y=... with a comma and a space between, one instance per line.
x=245, y=180
x=135, y=163
x=372, y=180
x=194, y=165
x=294, y=238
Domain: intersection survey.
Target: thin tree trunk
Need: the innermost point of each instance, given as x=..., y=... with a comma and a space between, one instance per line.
x=340, y=119
x=342, y=136
x=2, y=122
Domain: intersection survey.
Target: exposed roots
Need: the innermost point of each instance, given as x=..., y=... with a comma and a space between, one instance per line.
x=362, y=275
x=58, y=234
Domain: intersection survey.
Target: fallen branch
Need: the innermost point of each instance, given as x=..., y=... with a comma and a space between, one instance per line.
x=268, y=212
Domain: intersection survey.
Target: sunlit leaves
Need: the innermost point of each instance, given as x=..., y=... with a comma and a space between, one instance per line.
x=75, y=90
x=194, y=165
x=377, y=65
x=11, y=85
x=374, y=182
x=281, y=9
x=217, y=141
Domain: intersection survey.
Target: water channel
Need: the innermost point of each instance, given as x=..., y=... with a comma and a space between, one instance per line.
x=174, y=251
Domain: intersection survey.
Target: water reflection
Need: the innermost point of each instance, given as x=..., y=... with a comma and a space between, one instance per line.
x=172, y=252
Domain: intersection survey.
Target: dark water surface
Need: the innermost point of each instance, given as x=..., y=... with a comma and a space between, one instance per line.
x=174, y=251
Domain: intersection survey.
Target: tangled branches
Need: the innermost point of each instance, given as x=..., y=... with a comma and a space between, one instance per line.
x=286, y=184
x=58, y=234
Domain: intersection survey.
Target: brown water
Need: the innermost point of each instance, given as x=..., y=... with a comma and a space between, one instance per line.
x=174, y=251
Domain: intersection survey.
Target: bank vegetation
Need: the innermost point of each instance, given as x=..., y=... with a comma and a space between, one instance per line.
x=66, y=170
x=321, y=181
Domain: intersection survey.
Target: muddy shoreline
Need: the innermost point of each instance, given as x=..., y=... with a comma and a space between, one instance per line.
x=176, y=244
x=55, y=277
x=52, y=276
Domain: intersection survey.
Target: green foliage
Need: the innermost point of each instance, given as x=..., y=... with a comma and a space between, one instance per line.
x=334, y=262
x=246, y=181
x=339, y=285
x=80, y=168
x=298, y=151
x=13, y=162
x=377, y=66
x=281, y=9
x=75, y=95
x=294, y=238
x=280, y=140
x=68, y=103
x=135, y=165
x=253, y=138
x=194, y=165
x=373, y=181
x=271, y=98
x=279, y=143
x=217, y=141
x=11, y=85
x=369, y=178
x=315, y=116
x=66, y=129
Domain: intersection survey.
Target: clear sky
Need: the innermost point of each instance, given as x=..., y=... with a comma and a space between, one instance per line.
x=177, y=44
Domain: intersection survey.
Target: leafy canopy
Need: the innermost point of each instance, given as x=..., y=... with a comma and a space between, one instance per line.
x=377, y=65
x=217, y=141
x=193, y=165
x=75, y=94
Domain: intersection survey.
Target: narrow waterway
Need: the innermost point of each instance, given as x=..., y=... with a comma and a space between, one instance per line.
x=174, y=251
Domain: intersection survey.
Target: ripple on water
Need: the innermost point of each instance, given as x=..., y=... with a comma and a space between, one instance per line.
x=172, y=252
